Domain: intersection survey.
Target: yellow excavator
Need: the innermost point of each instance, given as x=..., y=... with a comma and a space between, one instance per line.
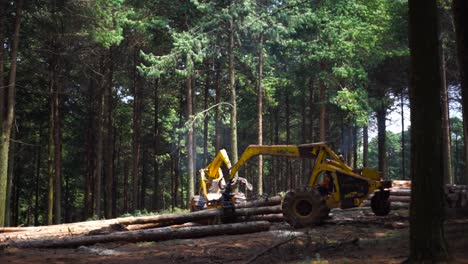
x=332, y=184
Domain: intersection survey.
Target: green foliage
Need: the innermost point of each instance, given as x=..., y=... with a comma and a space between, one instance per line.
x=355, y=104
x=109, y=17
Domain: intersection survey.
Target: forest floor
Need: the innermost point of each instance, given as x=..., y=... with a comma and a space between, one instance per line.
x=349, y=236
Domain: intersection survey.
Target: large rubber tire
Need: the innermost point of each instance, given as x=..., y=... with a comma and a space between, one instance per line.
x=304, y=207
x=380, y=203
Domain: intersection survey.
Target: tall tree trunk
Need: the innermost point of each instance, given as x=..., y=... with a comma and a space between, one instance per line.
x=365, y=146
x=110, y=138
x=218, y=108
x=57, y=152
x=190, y=141
x=50, y=152
x=36, y=186
x=289, y=178
x=232, y=87
x=2, y=83
x=260, y=113
x=355, y=146
x=90, y=153
x=323, y=108
x=144, y=176
x=381, y=138
x=7, y=123
x=136, y=144
x=460, y=10
x=97, y=212
x=403, y=147
x=206, y=120
x=156, y=141
x=447, y=153
x=427, y=240
x=311, y=110
x=126, y=172
x=11, y=176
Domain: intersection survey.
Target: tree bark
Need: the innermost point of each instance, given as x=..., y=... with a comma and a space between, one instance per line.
x=260, y=113
x=323, y=108
x=99, y=146
x=36, y=186
x=7, y=123
x=403, y=147
x=365, y=146
x=57, y=151
x=381, y=138
x=218, y=109
x=2, y=82
x=460, y=10
x=90, y=153
x=427, y=240
x=232, y=87
x=190, y=141
x=136, y=142
x=156, y=141
x=50, y=153
x=446, y=142
x=110, y=138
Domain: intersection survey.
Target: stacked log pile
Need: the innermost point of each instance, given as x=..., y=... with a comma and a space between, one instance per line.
x=455, y=195
x=143, y=228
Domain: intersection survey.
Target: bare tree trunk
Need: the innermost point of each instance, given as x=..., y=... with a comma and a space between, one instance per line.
x=2, y=83
x=460, y=10
x=311, y=110
x=190, y=142
x=136, y=144
x=50, y=153
x=218, y=110
x=57, y=153
x=260, y=113
x=355, y=146
x=365, y=146
x=381, y=138
x=289, y=179
x=36, y=186
x=7, y=123
x=232, y=87
x=90, y=154
x=99, y=147
x=126, y=172
x=403, y=148
x=110, y=138
x=156, y=140
x=447, y=153
x=206, y=120
x=11, y=176
x=427, y=240
x=322, y=109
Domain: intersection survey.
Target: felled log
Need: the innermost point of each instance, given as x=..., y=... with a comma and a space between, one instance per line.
x=157, y=234
x=270, y=201
x=268, y=217
x=108, y=226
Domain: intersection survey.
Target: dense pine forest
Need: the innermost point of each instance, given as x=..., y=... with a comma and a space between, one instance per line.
x=109, y=107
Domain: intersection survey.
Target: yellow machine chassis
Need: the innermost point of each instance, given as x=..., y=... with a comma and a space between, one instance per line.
x=325, y=160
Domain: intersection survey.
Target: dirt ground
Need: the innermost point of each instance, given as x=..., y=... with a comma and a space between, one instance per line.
x=347, y=237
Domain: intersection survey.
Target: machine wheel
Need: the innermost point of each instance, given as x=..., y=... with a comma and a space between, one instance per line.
x=197, y=203
x=380, y=203
x=304, y=207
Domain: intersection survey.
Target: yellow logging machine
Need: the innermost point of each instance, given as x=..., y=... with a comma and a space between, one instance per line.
x=332, y=184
